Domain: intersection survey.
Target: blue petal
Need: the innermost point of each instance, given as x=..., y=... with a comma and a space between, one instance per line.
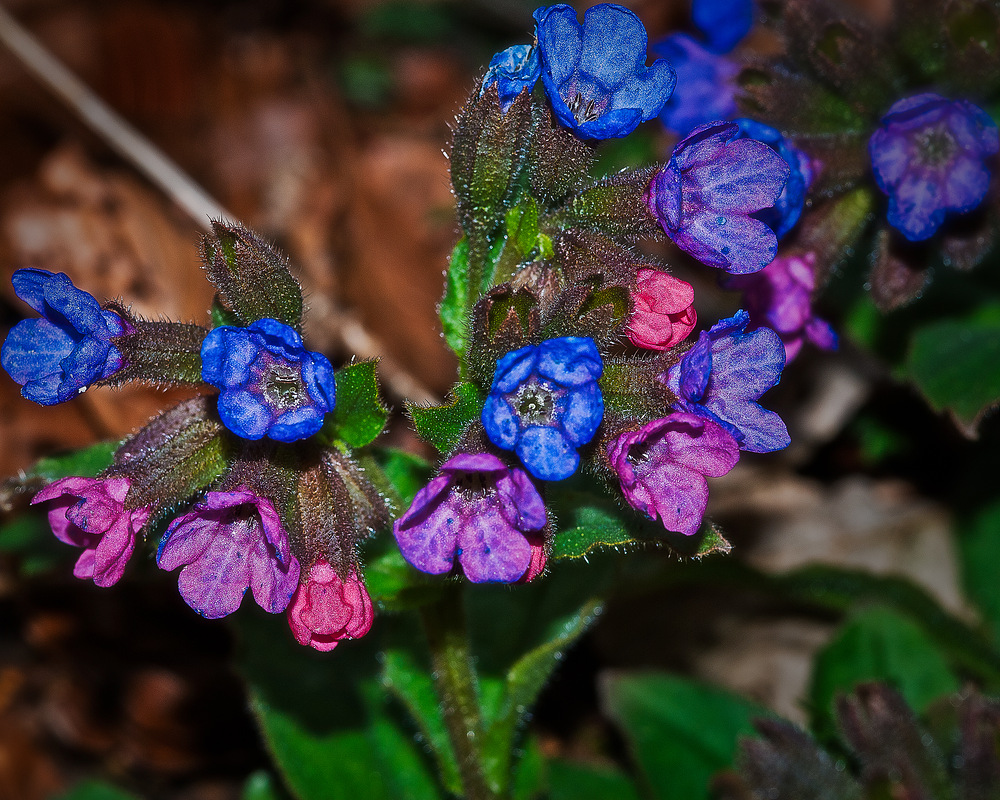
x=546, y=454
x=570, y=360
x=29, y=285
x=320, y=382
x=502, y=427
x=85, y=364
x=513, y=369
x=244, y=414
x=582, y=415
x=723, y=22
x=560, y=44
x=648, y=91
x=66, y=303
x=33, y=349
x=614, y=44
x=299, y=423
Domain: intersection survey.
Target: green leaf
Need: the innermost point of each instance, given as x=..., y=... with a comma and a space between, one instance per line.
x=358, y=416
x=262, y=785
x=593, y=522
x=95, y=790
x=680, y=732
x=529, y=771
x=30, y=538
x=522, y=226
x=979, y=550
x=222, y=315
x=443, y=426
x=85, y=463
x=569, y=780
x=406, y=473
x=414, y=687
x=878, y=644
x=524, y=681
x=454, y=310
x=954, y=363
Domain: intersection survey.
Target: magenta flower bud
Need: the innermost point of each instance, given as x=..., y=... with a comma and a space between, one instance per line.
x=90, y=513
x=326, y=609
x=664, y=314
x=481, y=511
x=663, y=465
x=228, y=543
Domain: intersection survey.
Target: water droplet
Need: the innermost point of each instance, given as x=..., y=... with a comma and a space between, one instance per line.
x=721, y=220
x=725, y=250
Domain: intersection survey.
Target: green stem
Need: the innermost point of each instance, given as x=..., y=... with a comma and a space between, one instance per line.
x=457, y=687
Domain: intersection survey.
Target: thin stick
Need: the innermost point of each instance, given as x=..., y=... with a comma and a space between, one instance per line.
x=146, y=157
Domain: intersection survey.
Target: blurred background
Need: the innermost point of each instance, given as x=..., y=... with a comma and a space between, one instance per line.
x=322, y=124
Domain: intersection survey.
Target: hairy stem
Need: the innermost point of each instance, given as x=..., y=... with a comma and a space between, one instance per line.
x=457, y=687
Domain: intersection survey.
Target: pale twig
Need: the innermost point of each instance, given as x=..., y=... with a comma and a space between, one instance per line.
x=152, y=162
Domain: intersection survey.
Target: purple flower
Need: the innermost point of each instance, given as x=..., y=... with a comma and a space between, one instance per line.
x=595, y=74
x=513, y=70
x=90, y=513
x=721, y=377
x=788, y=207
x=662, y=467
x=928, y=156
x=271, y=385
x=545, y=402
x=706, y=196
x=56, y=357
x=228, y=543
x=706, y=84
x=479, y=510
x=723, y=22
x=780, y=297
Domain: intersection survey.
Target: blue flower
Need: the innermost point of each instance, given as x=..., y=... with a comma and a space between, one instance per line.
x=271, y=385
x=721, y=377
x=545, y=402
x=928, y=156
x=788, y=207
x=56, y=357
x=723, y=22
x=512, y=70
x=595, y=74
x=706, y=197
x=706, y=84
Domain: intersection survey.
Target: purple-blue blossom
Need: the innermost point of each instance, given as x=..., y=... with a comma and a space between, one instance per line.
x=707, y=196
x=595, y=74
x=512, y=70
x=723, y=23
x=787, y=209
x=479, y=510
x=706, y=84
x=228, y=543
x=545, y=403
x=724, y=374
x=270, y=384
x=57, y=356
x=928, y=155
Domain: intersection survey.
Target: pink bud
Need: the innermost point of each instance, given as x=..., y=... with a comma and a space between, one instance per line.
x=326, y=609
x=663, y=313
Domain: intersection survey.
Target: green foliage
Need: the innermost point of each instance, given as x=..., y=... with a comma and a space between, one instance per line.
x=443, y=426
x=878, y=644
x=359, y=415
x=262, y=785
x=95, y=790
x=86, y=462
x=979, y=550
x=572, y=781
x=455, y=305
x=679, y=732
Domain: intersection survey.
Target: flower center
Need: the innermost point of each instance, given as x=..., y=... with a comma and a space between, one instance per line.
x=586, y=100
x=534, y=404
x=282, y=386
x=935, y=147
x=474, y=485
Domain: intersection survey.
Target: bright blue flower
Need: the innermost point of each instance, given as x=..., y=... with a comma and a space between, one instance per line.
x=707, y=196
x=595, y=74
x=56, y=357
x=545, y=403
x=928, y=156
x=706, y=84
x=788, y=207
x=721, y=377
x=513, y=70
x=271, y=385
x=723, y=22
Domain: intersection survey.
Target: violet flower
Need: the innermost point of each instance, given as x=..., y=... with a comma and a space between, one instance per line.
x=780, y=297
x=545, y=403
x=90, y=513
x=271, y=385
x=707, y=195
x=327, y=608
x=706, y=84
x=663, y=465
x=663, y=313
x=928, y=156
x=595, y=74
x=512, y=70
x=56, y=357
x=722, y=376
x=488, y=515
x=228, y=543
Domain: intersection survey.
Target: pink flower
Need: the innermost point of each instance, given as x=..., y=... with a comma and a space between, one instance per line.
x=326, y=609
x=780, y=297
x=663, y=313
x=228, y=543
x=90, y=513
x=662, y=467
